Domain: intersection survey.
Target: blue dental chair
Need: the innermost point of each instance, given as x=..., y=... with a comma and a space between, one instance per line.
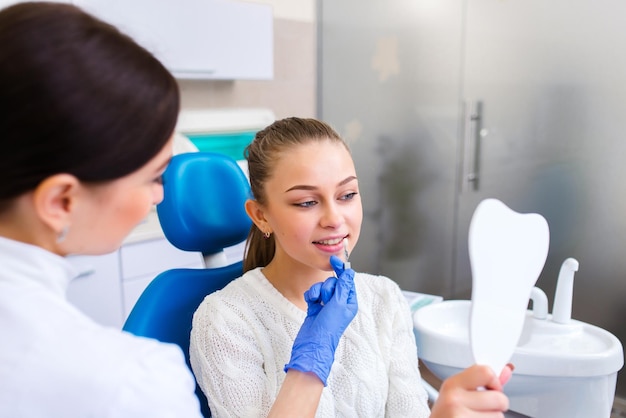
x=202, y=211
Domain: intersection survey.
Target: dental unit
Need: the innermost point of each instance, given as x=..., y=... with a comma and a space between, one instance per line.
x=564, y=368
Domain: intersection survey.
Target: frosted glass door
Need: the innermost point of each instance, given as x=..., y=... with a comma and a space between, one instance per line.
x=551, y=81
x=389, y=83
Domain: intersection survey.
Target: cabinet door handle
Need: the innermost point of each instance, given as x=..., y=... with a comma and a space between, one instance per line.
x=472, y=122
x=85, y=271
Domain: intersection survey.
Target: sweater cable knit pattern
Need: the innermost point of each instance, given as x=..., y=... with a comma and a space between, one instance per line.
x=242, y=338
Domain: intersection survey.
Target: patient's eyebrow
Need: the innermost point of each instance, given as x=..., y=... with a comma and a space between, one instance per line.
x=309, y=187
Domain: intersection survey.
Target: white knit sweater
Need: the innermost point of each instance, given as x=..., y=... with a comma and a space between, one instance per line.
x=242, y=338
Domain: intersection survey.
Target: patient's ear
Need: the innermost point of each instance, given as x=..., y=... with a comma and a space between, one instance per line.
x=256, y=212
x=54, y=200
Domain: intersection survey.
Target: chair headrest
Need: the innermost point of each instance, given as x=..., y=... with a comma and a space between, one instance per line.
x=203, y=205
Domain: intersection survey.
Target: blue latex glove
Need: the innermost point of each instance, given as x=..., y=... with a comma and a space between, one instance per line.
x=331, y=307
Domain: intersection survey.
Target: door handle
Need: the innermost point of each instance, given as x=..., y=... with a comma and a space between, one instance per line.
x=472, y=122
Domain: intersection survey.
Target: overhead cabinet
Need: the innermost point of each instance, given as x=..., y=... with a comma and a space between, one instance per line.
x=197, y=39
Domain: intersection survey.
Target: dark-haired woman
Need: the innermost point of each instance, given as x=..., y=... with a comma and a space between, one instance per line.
x=86, y=120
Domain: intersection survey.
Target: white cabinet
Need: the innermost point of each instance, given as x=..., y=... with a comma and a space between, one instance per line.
x=143, y=261
x=97, y=289
x=109, y=285
x=197, y=39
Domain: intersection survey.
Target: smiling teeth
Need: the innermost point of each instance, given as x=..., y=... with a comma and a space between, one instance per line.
x=331, y=241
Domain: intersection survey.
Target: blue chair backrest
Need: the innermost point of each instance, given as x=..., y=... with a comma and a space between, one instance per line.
x=203, y=211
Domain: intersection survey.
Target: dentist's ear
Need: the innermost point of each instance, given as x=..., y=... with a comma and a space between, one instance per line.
x=54, y=200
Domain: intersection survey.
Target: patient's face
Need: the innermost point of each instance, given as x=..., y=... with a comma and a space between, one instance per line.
x=313, y=204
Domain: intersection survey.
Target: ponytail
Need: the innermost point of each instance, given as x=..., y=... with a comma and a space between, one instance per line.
x=259, y=250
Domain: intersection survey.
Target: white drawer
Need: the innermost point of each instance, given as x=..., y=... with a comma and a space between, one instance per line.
x=154, y=256
x=97, y=289
x=133, y=288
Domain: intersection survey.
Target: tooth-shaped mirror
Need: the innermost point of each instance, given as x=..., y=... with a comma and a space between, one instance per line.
x=507, y=252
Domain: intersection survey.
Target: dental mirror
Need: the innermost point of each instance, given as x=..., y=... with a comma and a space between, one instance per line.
x=507, y=253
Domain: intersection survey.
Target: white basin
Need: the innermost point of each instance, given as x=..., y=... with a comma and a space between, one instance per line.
x=561, y=370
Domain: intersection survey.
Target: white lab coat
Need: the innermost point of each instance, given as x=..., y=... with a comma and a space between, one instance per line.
x=57, y=362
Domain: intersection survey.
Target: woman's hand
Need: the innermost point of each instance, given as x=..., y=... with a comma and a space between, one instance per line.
x=331, y=307
x=460, y=396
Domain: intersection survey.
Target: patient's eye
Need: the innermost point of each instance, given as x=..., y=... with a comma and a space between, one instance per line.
x=307, y=204
x=348, y=196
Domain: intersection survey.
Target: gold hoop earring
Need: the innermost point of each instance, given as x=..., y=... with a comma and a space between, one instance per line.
x=267, y=234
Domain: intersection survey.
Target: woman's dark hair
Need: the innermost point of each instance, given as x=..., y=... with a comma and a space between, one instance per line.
x=78, y=97
x=262, y=155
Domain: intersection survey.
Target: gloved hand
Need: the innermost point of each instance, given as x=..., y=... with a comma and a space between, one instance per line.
x=331, y=307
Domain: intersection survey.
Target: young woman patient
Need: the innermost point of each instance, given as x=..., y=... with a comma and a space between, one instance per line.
x=306, y=205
